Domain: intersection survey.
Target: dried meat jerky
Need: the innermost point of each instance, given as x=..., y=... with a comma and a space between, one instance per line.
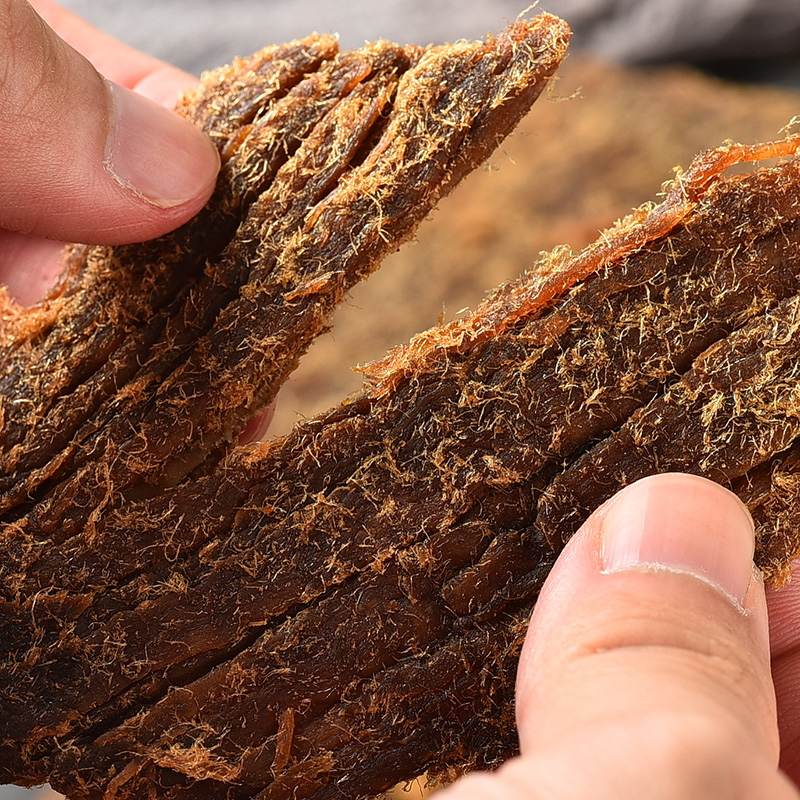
x=372, y=573
x=731, y=412
x=144, y=353
x=220, y=381
x=122, y=392
x=321, y=616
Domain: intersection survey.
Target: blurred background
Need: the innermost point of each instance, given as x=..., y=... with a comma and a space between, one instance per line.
x=648, y=84
x=750, y=39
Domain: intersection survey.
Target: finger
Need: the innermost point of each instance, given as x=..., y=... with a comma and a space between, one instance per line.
x=661, y=574
x=257, y=428
x=653, y=617
x=29, y=266
x=83, y=159
x=115, y=60
x=646, y=670
x=784, y=623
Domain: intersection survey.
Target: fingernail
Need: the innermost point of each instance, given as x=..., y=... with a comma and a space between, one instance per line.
x=154, y=153
x=681, y=523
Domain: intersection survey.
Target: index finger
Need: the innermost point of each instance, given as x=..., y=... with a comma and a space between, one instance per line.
x=115, y=60
x=784, y=616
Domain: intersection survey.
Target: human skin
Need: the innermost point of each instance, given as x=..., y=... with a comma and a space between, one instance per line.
x=647, y=672
x=84, y=158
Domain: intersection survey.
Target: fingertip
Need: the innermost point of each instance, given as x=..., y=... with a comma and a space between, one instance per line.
x=157, y=155
x=653, y=607
x=29, y=266
x=257, y=428
x=85, y=160
x=165, y=86
x=683, y=523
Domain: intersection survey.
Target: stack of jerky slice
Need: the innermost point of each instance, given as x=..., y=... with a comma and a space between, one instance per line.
x=172, y=622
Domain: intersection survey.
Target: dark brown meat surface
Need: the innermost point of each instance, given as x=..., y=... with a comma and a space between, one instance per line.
x=123, y=393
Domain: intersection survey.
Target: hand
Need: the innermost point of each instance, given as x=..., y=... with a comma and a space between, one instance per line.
x=85, y=159
x=646, y=671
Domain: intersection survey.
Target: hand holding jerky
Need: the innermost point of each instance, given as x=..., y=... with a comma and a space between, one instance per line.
x=84, y=157
x=324, y=615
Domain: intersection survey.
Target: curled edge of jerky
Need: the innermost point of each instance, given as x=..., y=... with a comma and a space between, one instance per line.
x=561, y=270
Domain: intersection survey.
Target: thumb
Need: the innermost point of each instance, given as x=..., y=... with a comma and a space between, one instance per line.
x=646, y=670
x=84, y=159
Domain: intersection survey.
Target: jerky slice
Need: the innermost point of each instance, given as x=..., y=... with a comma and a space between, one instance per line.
x=147, y=270
x=736, y=408
x=392, y=514
x=403, y=138
x=367, y=170
x=169, y=332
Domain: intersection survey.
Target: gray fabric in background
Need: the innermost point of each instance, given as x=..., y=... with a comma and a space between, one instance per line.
x=685, y=30
x=753, y=39
x=18, y=793
x=748, y=39
x=200, y=34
